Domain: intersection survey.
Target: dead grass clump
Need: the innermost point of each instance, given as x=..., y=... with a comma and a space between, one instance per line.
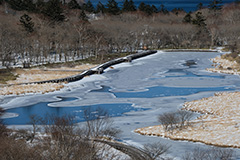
x=6, y=75
x=226, y=64
x=30, y=88
x=36, y=75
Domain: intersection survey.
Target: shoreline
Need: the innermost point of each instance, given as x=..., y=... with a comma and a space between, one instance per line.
x=187, y=139
x=220, y=115
x=212, y=128
x=225, y=66
x=21, y=87
x=190, y=50
x=182, y=138
x=26, y=81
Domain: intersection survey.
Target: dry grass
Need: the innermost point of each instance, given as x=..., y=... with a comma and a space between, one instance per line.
x=6, y=75
x=223, y=65
x=218, y=126
x=35, y=75
x=30, y=88
x=222, y=104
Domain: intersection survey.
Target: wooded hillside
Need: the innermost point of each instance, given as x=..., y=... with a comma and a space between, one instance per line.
x=60, y=31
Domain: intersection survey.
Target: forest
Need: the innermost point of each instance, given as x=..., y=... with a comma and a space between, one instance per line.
x=35, y=33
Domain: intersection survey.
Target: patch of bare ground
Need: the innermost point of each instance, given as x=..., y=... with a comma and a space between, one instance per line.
x=39, y=74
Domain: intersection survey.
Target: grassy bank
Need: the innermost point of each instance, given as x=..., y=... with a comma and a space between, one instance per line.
x=7, y=75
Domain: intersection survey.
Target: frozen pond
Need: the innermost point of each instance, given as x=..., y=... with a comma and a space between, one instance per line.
x=41, y=109
x=134, y=94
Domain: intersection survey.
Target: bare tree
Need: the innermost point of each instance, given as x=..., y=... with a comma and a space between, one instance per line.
x=175, y=120
x=65, y=141
x=209, y=154
x=98, y=123
x=168, y=120
x=155, y=150
x=184, y=118
x=3, y=128
x=12, y=149
x=35, y=121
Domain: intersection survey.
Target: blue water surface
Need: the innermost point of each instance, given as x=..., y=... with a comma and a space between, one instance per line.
x=187, y=5
x=42, y=109
x=175, y=73
x=162, y=91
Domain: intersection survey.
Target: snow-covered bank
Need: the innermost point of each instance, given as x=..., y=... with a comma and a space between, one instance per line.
x=224, y=66
x=218, y=126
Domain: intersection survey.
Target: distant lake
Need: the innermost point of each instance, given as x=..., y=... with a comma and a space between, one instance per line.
x=187, y=5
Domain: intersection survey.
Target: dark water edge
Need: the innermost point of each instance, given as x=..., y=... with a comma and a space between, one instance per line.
x=43, y=110
x=163, y=91
x=187, y=5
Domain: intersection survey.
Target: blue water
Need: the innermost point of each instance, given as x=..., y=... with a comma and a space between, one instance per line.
x=175, y=73
x=187, y=5
x=162, y=91
x=42, y=109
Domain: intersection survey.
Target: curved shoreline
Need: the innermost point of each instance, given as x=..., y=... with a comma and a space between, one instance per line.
x=176, y=135
x=57, y=84
x=220, y=124
x=97, y=70
x=190, y=50
x=187, y=139
x=179, y=138
x=100, y=69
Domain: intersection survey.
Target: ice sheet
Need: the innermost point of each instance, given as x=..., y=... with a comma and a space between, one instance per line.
x=139, y=76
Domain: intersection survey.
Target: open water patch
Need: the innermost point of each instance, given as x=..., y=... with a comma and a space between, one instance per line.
x=42, y=109
x=66, y=99
x=176, y=73
x=102, y=88
x=163, y=91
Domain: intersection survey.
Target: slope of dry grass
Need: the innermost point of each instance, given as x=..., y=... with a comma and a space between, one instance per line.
x=218, y=126
x=223, y=65
x=34, y=75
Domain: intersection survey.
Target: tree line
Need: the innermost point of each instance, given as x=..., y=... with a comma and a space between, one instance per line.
x=55, y=8
x=55, y=31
